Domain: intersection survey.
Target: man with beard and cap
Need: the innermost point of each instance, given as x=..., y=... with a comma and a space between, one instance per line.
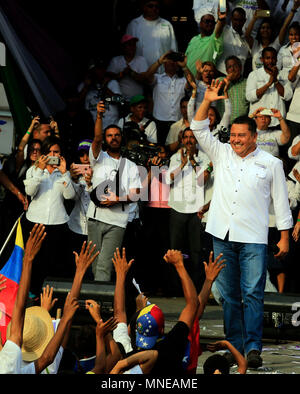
x=108, y=210
x=187, y=175
x=208, y=45
x=268, y=88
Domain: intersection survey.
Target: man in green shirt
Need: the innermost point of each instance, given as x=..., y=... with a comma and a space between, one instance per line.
x=208, y=45
x=236, y=90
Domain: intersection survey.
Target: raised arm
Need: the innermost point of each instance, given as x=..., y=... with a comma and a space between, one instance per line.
x=149, y=74
x=212, y=270
x=24, y=141
x=287, y=21
x=220, y=23
x=187, y=315
x=7, y=183
x=121, y=268
x=98, y=130
x=146, y=360
x=33, y=245
x=50, y=352
x=211, y=94
x=286, y=133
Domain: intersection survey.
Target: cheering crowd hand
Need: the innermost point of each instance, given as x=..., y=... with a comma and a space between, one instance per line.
x=46, y=298
x=212, y=91
x=120, y=262
x=174, y=257
x=103, y=329
x=213, y=268
x=94, y=308
x=296, y=232
x=34, y=242
x=70, y=307
x=86, y=256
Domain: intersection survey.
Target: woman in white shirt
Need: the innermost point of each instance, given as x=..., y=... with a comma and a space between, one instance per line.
x=49, y=185
x=285, y=59
x=266, y=36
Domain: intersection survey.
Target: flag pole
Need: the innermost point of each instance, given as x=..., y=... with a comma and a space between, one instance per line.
x=11, y=233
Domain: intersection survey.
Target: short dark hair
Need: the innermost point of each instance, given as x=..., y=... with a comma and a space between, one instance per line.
x=50, y=141
x=240, y=10
x=214, y=362
x=244, y=119
x=233, y=57
x=268, y=49
x=295, y=25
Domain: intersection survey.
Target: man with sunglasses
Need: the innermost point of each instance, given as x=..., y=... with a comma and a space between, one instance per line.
x=156, y=35
x=208, y=45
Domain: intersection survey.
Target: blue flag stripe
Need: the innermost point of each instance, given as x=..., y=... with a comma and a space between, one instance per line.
x=13, y=268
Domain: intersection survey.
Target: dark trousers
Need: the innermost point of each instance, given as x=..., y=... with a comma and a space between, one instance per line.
x=186, y=234
x=55, y=258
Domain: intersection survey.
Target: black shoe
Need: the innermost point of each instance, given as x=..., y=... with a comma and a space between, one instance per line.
x=254, y=359
x=230, y=358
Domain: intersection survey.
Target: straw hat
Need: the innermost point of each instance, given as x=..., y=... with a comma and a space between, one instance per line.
x=37, y=333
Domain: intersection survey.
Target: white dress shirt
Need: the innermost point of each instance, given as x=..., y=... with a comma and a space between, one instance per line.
x=234, y=44
x=47, y=192
x=167, y=93
x=243, y=189
x=186, y=195
x=105, y=167
x=271, y=99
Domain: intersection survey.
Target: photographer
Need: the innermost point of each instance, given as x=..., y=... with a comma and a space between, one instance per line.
x=138, y=108
x=98, y=86
x=108, y=210
x=49, y=185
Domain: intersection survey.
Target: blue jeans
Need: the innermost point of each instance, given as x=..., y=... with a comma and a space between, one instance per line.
x=241, y=286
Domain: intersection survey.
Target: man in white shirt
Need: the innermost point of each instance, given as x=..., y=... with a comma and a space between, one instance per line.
x=138, y=108
x=246, y=180
x=156, y=35
x=108, y=210
x=234, y=42
x=174, y=137
x=187, y=175
x=268, y=88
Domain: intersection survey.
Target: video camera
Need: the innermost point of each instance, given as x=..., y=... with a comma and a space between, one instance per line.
x=108, y=100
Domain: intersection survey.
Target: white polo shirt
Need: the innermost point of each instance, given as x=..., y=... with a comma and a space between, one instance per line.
x=167, y=93
x=243, y=190
x=271, y=99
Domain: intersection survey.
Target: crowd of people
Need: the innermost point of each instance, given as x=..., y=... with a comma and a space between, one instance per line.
x=159, y=158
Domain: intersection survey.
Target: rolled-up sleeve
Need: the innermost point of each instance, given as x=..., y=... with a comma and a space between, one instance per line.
x=251, y=88
x=279, y=193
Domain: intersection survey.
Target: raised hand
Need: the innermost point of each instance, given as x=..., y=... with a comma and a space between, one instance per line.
x=174, y=257
x=104, y=328
x=213, y=268
x=120, y=262
x=94, y=308
x=212, y=91
x=215, y=346
x=296, y=232
x=70, y=307
x=46, y=298
x=86, y=256
x=34, y=242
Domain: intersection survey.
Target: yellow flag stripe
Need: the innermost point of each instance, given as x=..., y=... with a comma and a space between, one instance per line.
x=19, y=236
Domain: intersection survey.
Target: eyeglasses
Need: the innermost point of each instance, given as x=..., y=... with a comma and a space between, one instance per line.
x=33, y=150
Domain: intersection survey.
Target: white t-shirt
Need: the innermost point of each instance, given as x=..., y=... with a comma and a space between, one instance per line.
x=269, y=141
x=129, y=87
x=111, y=115
x=155, y=38
x=104, y=168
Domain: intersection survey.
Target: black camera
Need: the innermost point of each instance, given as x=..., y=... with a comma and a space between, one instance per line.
x=140, y=153
x=103, y=96
x=224, y=135
x=176, y=56
x=132, y=132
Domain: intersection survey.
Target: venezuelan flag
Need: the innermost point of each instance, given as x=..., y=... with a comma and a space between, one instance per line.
x=12, y=273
